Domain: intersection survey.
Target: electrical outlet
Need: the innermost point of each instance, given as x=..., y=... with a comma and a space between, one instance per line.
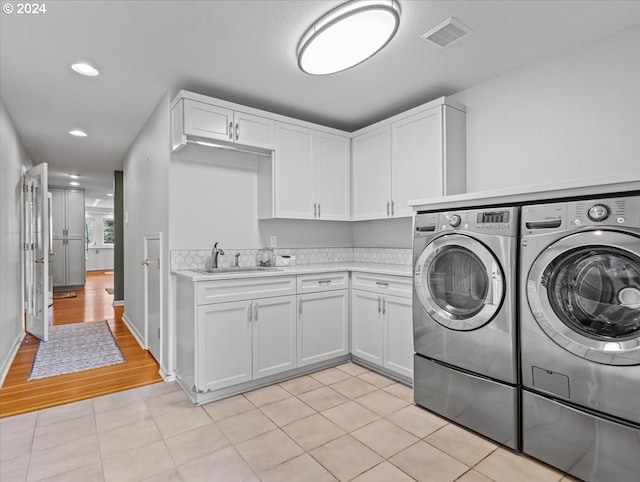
x=273, y=241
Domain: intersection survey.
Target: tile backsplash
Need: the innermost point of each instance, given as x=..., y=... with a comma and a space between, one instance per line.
x=198, y=258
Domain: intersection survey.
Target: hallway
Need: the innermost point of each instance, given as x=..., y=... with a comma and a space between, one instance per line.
x=91, y=304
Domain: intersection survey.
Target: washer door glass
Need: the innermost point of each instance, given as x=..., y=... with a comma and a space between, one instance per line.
x=459, y=282
x=584, y=291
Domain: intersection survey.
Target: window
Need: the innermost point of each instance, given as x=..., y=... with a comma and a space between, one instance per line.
x=88, y=230
x=108, y=231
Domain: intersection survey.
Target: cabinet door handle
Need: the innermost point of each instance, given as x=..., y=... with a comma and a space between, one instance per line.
x=250, y=311
x=237, y=131
x=318, y=209
x=379, y=301
x=230, y=131
x=255, y=313
x=392, y=207
x=384, y=306
x=300, y=306
x=388, y=208
x=315, y=210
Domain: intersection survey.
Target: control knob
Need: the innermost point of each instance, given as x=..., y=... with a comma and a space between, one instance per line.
x=598, y=212
x=455, y=221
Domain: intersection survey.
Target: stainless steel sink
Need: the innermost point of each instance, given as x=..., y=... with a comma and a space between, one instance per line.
x=236, y=270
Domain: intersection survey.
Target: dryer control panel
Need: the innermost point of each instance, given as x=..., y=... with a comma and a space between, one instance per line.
x=624, y=211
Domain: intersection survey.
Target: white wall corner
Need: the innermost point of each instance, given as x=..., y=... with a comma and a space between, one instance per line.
x=134, y=331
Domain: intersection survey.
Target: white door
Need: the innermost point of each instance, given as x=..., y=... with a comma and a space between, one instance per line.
x=223, y=337
x=36, y=260
x=417, y=159
x=208, y=121
x=253, y=130
x=153, y=294
x=323, y=326
x=398, y=335
x=274, y=335
x=372, y=175
x=295, y=172
x=366, y=326
x=333, y=177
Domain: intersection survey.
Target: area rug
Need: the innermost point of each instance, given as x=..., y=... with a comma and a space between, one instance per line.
x=109, y=290
x=74, y=348
x=64, y=294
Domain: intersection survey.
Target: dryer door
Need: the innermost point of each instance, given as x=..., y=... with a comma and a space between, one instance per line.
x=584, y=291
x=459, y=282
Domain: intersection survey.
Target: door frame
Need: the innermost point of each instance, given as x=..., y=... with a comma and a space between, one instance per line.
x=145, y=251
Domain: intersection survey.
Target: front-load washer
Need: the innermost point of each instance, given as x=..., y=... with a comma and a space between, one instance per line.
x=580, y=336
x=465, y=366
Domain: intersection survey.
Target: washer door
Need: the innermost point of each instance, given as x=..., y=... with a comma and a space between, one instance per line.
x=584, y=291
x=459, y=282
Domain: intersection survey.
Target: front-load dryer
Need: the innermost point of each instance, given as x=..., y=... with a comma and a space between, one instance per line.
x=580, y=336
x=464, y=319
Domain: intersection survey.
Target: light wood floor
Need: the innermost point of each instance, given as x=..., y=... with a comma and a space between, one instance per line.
x=92, y=304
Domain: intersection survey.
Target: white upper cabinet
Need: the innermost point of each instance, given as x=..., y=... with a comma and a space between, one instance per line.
x=371, y=174
x=333, y=177
x=308, y=178
x=415, y=155
x=204, y=122
x=295, y=182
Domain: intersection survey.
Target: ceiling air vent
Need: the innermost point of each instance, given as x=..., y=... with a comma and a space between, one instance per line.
x=447, y=33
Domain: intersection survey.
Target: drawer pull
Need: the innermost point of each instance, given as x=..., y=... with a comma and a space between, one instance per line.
x=382, y=284
x=324, y=282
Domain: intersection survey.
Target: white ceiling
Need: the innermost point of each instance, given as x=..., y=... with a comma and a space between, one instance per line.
x=244, y=51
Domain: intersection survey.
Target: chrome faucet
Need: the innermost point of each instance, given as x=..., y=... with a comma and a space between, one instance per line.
x=215, y=252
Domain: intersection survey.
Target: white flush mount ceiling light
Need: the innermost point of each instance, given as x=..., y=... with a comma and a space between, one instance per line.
x=74, y=183
x=348, y=35
x=85, y=69
x=78, y=133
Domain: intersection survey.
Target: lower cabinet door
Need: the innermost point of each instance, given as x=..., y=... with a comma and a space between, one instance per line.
x=223, y=344
x=323, y=326
x=398, y=335
x=76, y=271
x=366, y=326
x=274, y=335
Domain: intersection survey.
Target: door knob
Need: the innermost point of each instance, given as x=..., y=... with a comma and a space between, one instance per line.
x=144, y=262
x=40, y=260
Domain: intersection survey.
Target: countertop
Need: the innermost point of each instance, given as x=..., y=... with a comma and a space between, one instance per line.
x=585, y=187
x=376, y=268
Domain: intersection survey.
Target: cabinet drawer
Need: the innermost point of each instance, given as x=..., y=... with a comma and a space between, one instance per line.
x=384, y=284
x=311, y=283
x=219, y=291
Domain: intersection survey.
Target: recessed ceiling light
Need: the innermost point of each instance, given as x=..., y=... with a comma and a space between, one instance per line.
x=74, y=183
x=109, y=194
x=348, y=35
x=85, y=69
x=74, y=176
x=78, y=133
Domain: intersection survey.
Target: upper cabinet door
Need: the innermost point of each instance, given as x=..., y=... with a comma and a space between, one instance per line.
x=371, y=171
x=207, y=120
x=253, y=130
x=75, y=213
x=333, y=177
x=58, y=214
x=416, y=150
x=294, y=172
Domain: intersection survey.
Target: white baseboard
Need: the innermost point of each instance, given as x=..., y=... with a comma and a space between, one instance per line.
x=167, y=376
x=118, y=303
x=12, y=354
x=134, y=331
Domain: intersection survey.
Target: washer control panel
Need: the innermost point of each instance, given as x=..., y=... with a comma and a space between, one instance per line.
x=500, y=221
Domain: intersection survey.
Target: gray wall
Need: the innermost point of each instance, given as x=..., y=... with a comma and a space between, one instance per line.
x=13, y=160
x=118, y=247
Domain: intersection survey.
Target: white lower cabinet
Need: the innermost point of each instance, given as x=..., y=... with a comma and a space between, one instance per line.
x=382, y=324
x=245, y=340
x=323, y=326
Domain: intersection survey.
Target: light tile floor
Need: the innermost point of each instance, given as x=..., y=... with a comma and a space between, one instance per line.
x=343, y=423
